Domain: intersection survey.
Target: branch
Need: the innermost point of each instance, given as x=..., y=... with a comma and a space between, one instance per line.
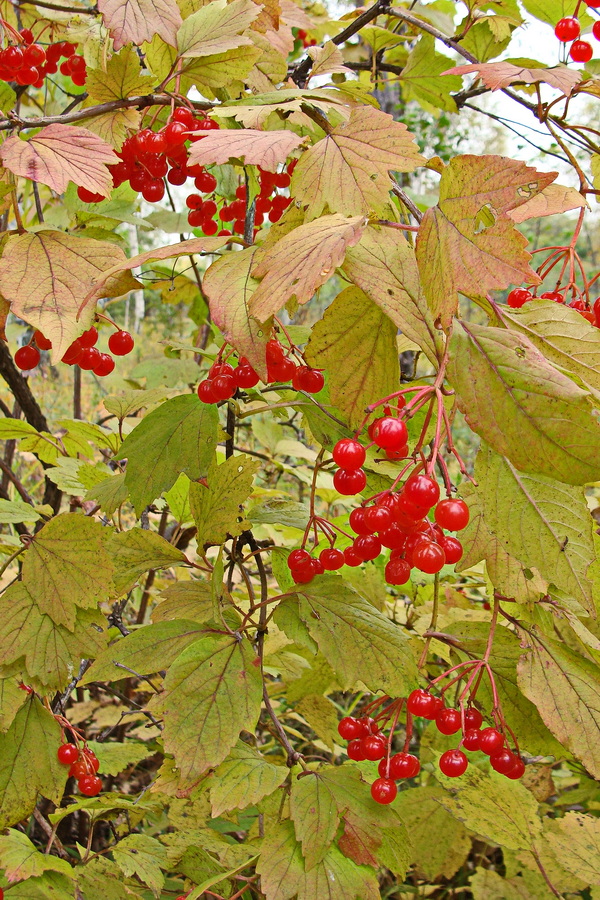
x=78, y=10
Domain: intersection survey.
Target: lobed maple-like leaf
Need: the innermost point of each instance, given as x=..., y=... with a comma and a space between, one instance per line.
x=136, y=21
x=302, y=261
x=348, y=170
x=467, y=242
x=120, y=78
x=327, y=60
x=257, y=148
x=498, y=75
x=242, y=779
x=59, y=154
x=216, y=28
x=420, y=79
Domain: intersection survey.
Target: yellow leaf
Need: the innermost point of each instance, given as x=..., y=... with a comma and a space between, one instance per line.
x=121, y=78
x=59, y=154
x=216, y=28
x=257, y=148
x=136, y=21
x=348, y=170
x=113, y=127
x=327, y=60
x=556, y=198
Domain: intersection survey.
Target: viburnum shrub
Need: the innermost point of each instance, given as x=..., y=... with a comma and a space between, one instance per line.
x=300, y=451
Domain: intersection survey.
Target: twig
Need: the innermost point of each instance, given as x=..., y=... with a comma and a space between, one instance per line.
x=50, y=834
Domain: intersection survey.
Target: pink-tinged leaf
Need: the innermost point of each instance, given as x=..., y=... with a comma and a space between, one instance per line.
x=216, y=28
x=302, y=261
x=228, y=287
x=59, y=154
x=498, y=75
x=266, y=149
x=468, y=242
x=46, y=276
x=137, y=21
x=556, y=198
x=348, y=170
x=294, y=16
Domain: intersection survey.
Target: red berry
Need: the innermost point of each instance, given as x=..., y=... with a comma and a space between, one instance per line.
x=518, y=297
x=517, y=771
x=246, y=377
x=555, y=295
x=397, y=571
x=453, y=763
x=367, y=546
x=349, y=481
x=349, y=454
x=393, y=537
x=356, y=751
x=35, y=55
x=471, y=739
x=358, y=521
x=490, y=741
x=331, y=559
x=383, y=790
x=282, y=371
x=421, y=703
x=473, y=718
x=581, y=51
x=184, y=115
x=422, y=491
x=104, y=366
x=428, y=557
x=205, y=391
x=448, y=721
x=72, y=353
x=42, y=342
x=407, y=508
x=206, y=183
x=27, y=357
x=404, y=765
x=349, y=728
x=378, y=518
x=27, y=35
x=154, y=191
x=596, y=33
x=452, y=514
x=223, y=387
x=307, y=379
x=374, y=747
x=176, y=134
x=176, y=175
x=452, y=548
x=120, y=343
x=89, y=337
x=79, y=769
x=351, y=558
x=503, y=761
x=67, y=754
x=89, y=359
x=389, y=433
x=89, y=196
x=298, y=558
x=91, y=758
x=90, y=785
x=567, y=29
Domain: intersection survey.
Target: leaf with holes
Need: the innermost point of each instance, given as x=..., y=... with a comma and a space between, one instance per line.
x=301, y=261
x=216, y=505
x=59, y=154
x=354, y=327
x=140, y=20
x=348, y=170
x=266, y=149
x=556, y=198
x=522, y=406
x=468, y=243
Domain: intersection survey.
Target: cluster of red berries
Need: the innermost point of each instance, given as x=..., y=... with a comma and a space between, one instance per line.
x=81, y=352
x=29, y=62
x=450, y=721
x=223, y=379
x=83, y=765
x=388, y=433
x=520, y=296
x=301, y=35
x=569, y=29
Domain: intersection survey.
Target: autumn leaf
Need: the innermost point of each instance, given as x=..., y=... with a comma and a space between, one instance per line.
x=216, y=505
x=498, y=75
x=47, y=275
x=468, y=242
x=121, y=78
x=327, y=60
x=576, y=843
x=136, y=21
x=348, y=170
x=228, y=287
x=420, y=79
x=422, y=814
x=257, y=148
x=20, y=859
x=302, y=261
x=556, y=198
x=59, y=154
x=242, y=779
x=216, y=28
x=314, y=812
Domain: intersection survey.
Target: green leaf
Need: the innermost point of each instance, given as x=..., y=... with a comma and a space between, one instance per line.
x=212, y=691
x=12, y=698
x=142, y=855
x=540, y=522
x=129, y=402
x=384, y=266
x=279, y=511
x=549, y=11
x=50, y=886
x=242, y=779
x=50, y=651
x=109, y=494
x=15, y=428
x=8, y=98
x=522, y=406
x=487, y=884
x=421, y=77
x=147, y=650
x=67, y=566
x=28, y=762
x=216, y=506
x=137, y=551
x=115, y=757
x=216, y=28
x=121, y=78
x=468, y=242
x=314, y=812
x=17, y=511
x=423, y=816
x=20, y=859
x=360, y=644
x=185, y=600
x=354, y=327
x=502, y=811
x=178, y=499
x=179, y=436
x=576, y=843
x=75, y=476
x=565, y=688
x=102, y=879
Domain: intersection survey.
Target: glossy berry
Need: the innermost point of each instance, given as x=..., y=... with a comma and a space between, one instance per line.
x=350, y=728
x=351, y=558
x=349, y=454
x=448, y=721
x=298, y=558
x=374, y=747
x=79, y=769
x=42, y=342
x=356, y=751
x=358, y=521
x=89, y=359
x=422, y=490
x=91, y=759
x=307, y=379
x=393, y=537
x=567, y=29
x=67, y=754
x=471, y=739
x=517, y=771
x=378, y=518
x=517, y=298
x=428, y=557
x=473, y=718
x=367, y=546
x=453, y=763
x=104, y=366
x=27, y=358
x=383, y=790
x=331, y=559
x=205, y=391
x=404, y=765
x=490, y=741
x=503, y=761
x=90, y=785
x=72, y=353
x=452, y=514
x=223, y=386
x=349, y=481
x=596, y=33
x=389, y=433
x=246, y=377
x=89, y=338
x=452, y=547
x=120, y=343
x=421, y=703
x=581, y=51
x=397, y=571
